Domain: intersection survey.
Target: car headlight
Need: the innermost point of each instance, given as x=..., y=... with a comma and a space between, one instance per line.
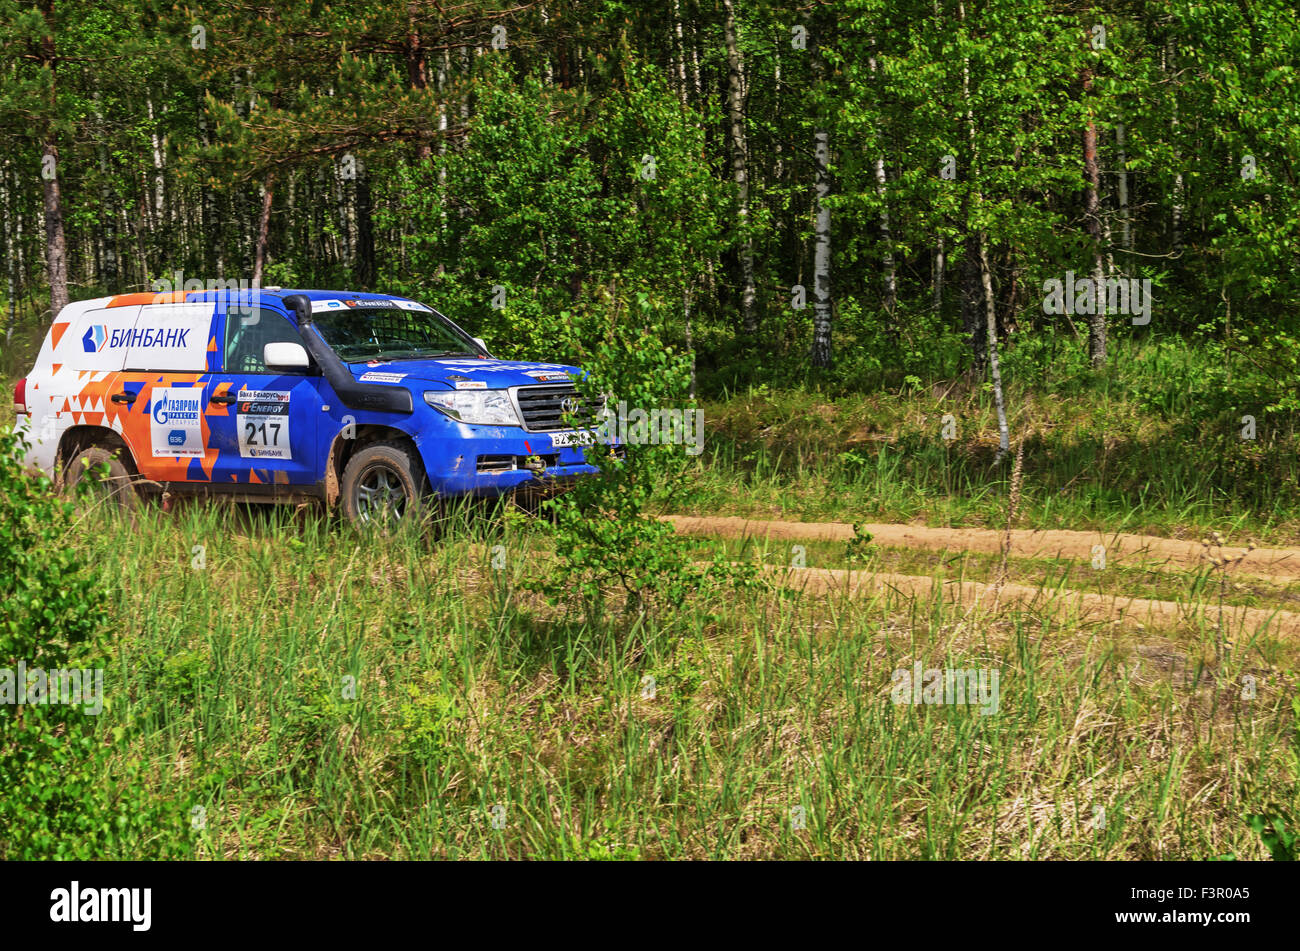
x=478, y=407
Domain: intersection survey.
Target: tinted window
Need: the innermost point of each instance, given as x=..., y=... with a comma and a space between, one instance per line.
x=248, y=330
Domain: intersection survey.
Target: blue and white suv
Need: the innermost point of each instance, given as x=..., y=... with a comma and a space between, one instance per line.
x=366, y=400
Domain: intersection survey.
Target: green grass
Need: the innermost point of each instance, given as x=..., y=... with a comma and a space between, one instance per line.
x=227, y=687
x=1136, y=448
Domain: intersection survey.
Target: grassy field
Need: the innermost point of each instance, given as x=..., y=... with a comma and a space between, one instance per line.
x=1140, y=448
x=768, y=729
x=283, y=686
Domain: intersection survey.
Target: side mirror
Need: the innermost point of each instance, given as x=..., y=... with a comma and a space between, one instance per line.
x=483, y=344
x=285, y=355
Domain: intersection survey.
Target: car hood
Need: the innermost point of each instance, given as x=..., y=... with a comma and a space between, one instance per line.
x=463, y=373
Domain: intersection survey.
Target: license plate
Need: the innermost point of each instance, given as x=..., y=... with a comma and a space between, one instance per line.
x=579, y=437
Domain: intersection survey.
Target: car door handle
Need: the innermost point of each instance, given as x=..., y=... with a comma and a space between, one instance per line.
x=224, y=398
x=124, y=397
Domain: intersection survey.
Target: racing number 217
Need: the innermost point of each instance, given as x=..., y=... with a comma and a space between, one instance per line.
x=253, y=430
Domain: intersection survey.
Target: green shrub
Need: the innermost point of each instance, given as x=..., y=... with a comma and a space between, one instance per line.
x=606, y=536
x=54, y=757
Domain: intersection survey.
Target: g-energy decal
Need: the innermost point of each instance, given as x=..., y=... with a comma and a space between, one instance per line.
x=175, y=418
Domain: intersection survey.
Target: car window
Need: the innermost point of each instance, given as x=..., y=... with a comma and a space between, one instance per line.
x=390, y=333
x=248, y=330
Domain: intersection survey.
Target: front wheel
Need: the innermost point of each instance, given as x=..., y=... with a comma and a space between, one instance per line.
x=382, y=483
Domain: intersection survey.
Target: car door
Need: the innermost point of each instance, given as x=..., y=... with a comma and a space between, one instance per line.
x=262, y=425
x=158, y=399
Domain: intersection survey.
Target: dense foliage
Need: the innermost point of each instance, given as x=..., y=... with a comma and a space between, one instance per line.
x=506, y=161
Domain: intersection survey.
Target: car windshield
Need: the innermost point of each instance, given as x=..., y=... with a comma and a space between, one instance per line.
x=389, y=333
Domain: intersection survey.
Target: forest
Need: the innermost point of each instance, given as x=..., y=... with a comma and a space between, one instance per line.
x=874, y=192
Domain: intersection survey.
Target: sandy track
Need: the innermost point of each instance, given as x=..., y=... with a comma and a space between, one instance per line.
x=1084, y=606
x=1276, y=564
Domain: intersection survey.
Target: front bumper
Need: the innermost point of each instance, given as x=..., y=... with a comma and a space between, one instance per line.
x=486, y=461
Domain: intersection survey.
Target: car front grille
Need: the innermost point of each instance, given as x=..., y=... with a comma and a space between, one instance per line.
x=542, y=408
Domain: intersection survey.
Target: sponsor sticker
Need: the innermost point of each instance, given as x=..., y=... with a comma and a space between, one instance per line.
x=95, y=338
x=547, y=376
x=471, y=385
x=370, y=303
x=478, y=364
x=374, y=377
x=320, y=305
x=175, y=421
x=263, y=424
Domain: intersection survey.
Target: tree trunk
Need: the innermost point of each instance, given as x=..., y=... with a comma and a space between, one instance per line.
x=939, y=262
x=1126, y=230
x=263, y=230
x=890, y=277
x=679, y=54
x=417, y=70
x=159, y=192
x=11, y=233
x=690, y=337
x=991, y=327
x=972, y=321
x=1176, y=216
x=365, y=230
x=56, y=244
x=740, y=168
x=1092, y=224
x=108, y=276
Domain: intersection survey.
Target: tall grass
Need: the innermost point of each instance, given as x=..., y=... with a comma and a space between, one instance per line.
x=757, y=724
x=1136, y=448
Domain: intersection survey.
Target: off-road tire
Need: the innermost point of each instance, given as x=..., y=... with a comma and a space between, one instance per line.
x=383, y=476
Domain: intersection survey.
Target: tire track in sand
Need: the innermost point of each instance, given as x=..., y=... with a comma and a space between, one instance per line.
x=1149, y=551
x=1085, y=606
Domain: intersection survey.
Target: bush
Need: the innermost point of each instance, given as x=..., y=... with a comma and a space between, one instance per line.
x=67, y=793
x=606, y=536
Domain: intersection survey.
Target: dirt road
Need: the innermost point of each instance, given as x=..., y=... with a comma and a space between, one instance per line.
x=1085, y=606
x=1278, y=564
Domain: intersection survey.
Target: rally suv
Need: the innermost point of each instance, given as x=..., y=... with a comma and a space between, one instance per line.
x=367, y=401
